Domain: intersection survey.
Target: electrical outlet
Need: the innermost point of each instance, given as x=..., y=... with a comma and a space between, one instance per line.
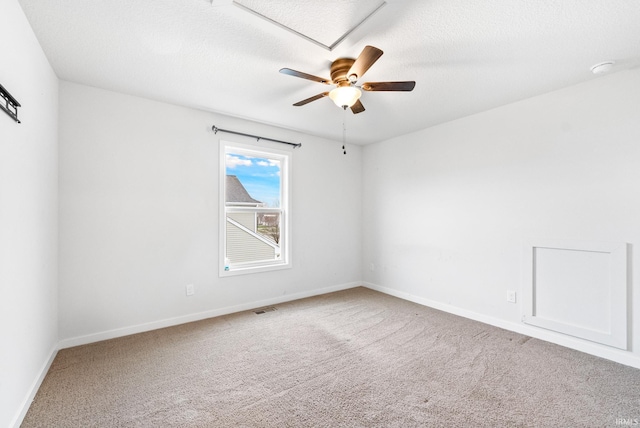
x=190, y=290
x=511, y=296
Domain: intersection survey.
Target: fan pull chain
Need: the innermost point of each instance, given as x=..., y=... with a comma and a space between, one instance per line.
x=344, y=130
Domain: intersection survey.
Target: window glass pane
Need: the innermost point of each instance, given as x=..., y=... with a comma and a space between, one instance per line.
x=254, y=209
x=260, y=177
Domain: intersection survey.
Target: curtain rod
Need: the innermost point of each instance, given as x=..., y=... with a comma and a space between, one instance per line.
x=216, y=129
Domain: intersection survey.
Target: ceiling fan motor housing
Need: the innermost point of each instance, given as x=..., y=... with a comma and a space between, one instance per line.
x=339, y=70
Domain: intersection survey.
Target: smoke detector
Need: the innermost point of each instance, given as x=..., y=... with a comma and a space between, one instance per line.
x=603, y=67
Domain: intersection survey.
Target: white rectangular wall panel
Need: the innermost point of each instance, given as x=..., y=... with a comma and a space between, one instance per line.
x=579, y=289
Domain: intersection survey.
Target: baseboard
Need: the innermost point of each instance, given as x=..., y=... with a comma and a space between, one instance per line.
x=26, y=403
x=617, y=355
x=141, y=328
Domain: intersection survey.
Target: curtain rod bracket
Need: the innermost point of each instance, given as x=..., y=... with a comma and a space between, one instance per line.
x=258, y=138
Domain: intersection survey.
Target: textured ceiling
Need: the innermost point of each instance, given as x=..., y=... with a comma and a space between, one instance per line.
x=465, y=56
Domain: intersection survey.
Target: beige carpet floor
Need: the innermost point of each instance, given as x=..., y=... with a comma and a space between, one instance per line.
x=355, y=358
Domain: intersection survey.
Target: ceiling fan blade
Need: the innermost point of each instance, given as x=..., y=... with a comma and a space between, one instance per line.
x=313, y=98
x=389, y=86
x=357, y=107
x=295, y=73
x=367, y=57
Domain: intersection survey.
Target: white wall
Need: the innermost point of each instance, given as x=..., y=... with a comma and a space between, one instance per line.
x=447, y=209
x=28, y=215
x=139, y=216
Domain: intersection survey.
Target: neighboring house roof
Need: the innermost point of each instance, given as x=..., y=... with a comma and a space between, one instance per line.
x=236, y=194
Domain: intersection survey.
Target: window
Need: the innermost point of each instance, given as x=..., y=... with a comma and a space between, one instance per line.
x=254, y=201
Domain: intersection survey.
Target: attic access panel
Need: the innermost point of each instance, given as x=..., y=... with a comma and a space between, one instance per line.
x=324, y=23
x=578, y=288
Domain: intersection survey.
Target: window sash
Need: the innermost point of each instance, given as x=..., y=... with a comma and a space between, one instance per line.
x=237, y=209
x=284, y=261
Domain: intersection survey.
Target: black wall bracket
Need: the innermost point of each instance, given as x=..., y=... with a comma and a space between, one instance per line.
x=9, y=105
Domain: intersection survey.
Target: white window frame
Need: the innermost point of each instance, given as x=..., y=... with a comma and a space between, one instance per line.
x=261, y=151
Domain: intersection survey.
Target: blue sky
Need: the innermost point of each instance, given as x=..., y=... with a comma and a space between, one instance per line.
x=260, y=176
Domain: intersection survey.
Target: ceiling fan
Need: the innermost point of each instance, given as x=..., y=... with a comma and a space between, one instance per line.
x=345, y=72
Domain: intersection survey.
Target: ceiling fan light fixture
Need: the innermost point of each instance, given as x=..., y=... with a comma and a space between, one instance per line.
x=345, y=96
